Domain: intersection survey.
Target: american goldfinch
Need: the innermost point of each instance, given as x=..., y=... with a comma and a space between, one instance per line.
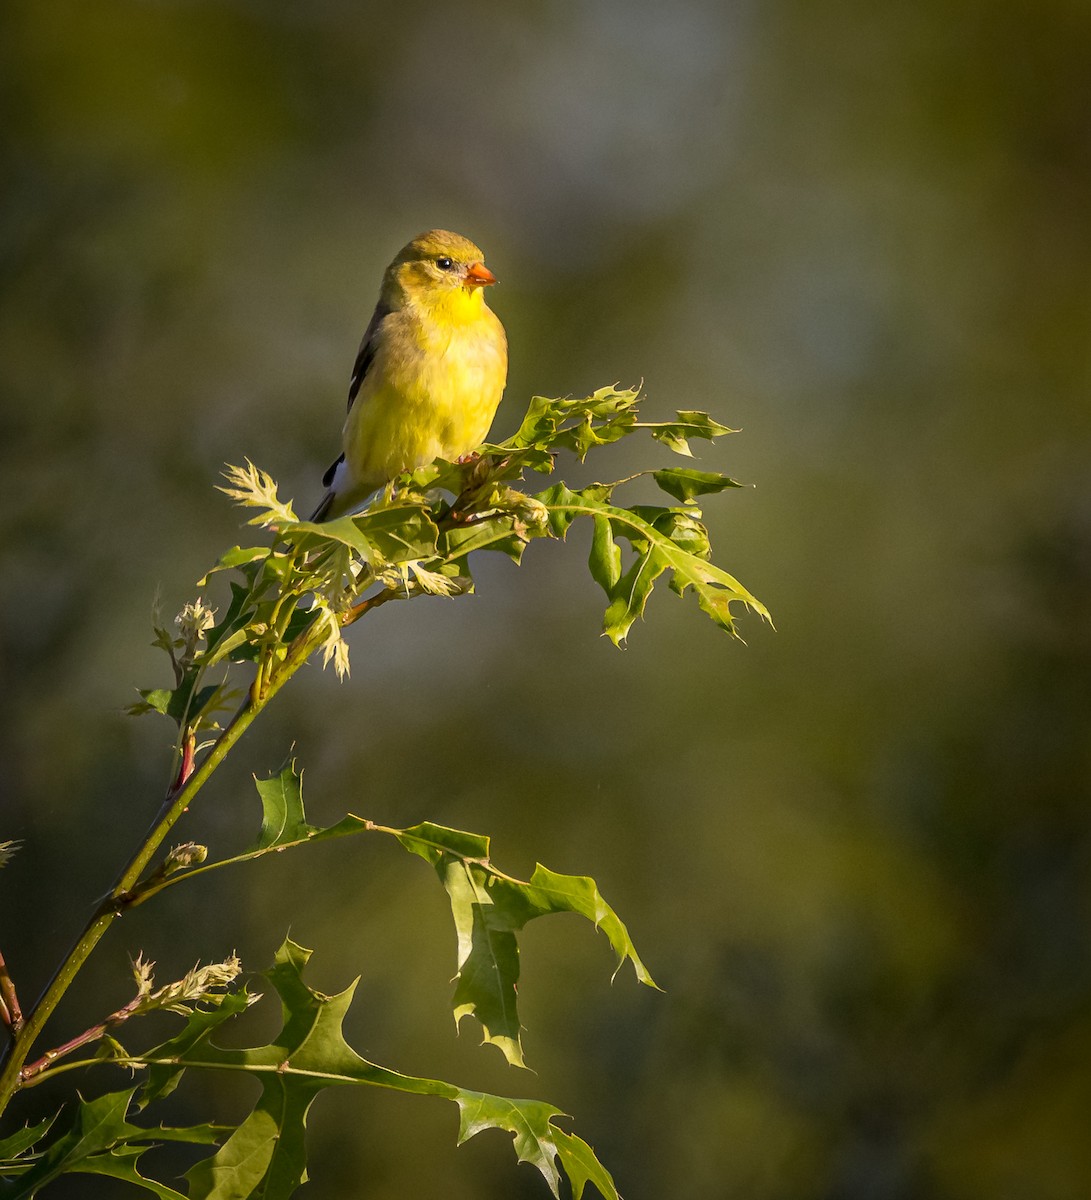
x=430, y=372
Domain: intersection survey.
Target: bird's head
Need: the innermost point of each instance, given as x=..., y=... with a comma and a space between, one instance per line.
x=438, y=267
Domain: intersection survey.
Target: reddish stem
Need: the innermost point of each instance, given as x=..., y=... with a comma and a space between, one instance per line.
x=9, y=1001
x=185, y=767
x=88, y=1035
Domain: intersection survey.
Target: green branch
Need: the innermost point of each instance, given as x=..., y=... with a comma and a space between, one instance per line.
x=290, y=599
x=117, y=900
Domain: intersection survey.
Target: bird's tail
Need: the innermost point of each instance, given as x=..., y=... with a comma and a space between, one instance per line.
x=324, y=506
x=333, y=477
x=343, y=494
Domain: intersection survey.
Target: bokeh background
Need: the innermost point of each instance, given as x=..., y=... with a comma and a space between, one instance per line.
x=854, y=851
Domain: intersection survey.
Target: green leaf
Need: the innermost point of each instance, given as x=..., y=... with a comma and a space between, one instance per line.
x=662, y=539
x=489, y=908
x=684, y=485
x=630, y=594
x=164, y=1075
x=238, y=634
x=577, y=425
x=102, y=1141
x=604, y=560
x=382, y=536
x=151, y=700
x=23, y=1140
x=283, y=821
x=237, y=556
x=234, y=647
x=229, y=631
x=185, y=704
x=265, y=1155
x=121, y=1163
x=537, y=1140
x=284, y=825
x=549, y=891
x=673, y=434
x=582, y=1167
x=254, y=488
x=433, y=842
x=538, y=426
x=412, y=540
x=564, y=506
x=341, y=529
x=496, y=532
x=401, y=533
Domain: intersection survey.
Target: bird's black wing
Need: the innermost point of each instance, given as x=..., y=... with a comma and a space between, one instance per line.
x=364, y=358
x=331, y=471
x=366, y=354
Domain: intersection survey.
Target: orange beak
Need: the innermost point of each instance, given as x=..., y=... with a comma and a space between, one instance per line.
x=479, y=275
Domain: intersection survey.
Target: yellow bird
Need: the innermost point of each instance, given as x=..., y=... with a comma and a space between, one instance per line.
x=430, y=372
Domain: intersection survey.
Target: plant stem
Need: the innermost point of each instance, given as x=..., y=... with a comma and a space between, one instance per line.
x=115, y=903
x=9, y=1001
x=88, y=1035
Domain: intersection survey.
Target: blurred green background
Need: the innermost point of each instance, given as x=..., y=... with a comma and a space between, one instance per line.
x=854, y=852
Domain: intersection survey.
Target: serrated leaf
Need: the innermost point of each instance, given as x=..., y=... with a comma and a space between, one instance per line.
x=401, y=533
x=537, y=1140
x=577, y=425
x=529, y=1122
x=630, y=593
x=497, y=532
x=604, y=561
x=284, y=826
x=122, y=1164
x=431, y=842
x=550, y=891
x=436, y=583
x=588, y=434
x=671, y=437
x=101, y=1138
x=265, y=1154
x=164, y=1075
x=684, y=484
x=151, y=700
x=582, y=1167
x=674, y=434
x=283, y=819
x=542, y=419
x=560, y=501
x=344, y=530
x=252, y=487
x=391, y=534
x=183, y=704
x=564, y=506
x=231, y=623
x=237, y=556
x=23, y=1140
x=663, y=539
x=489, y=908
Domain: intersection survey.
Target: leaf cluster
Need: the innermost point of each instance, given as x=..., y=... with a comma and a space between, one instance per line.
x=417, y=537
x=265, y=1154
x=294, y=596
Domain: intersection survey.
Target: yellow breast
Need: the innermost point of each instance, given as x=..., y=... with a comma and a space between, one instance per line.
x=431, y=391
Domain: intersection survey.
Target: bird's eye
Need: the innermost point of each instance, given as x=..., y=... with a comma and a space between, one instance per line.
x=444, y=263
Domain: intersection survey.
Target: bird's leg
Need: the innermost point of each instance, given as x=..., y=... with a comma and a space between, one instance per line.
x=473, y=478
